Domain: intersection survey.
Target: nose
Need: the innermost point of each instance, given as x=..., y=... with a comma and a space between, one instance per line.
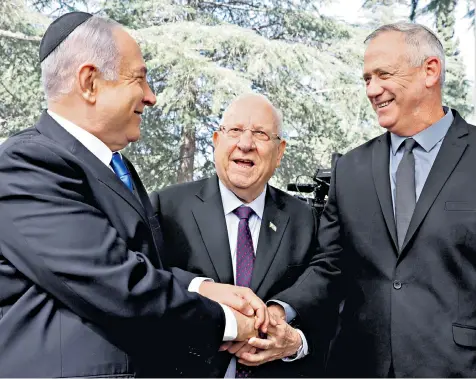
x=246, y=143
x=373, y=89
x=149, y=96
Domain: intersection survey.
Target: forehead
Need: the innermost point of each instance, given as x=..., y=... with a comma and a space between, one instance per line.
x=386, y=50
x=251, y=112
x=129, y=50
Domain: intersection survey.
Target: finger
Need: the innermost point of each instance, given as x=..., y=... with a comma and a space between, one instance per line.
x=237, y=346
x=225, y=346
x=255, y=359
x=259, y=307
x=260, y=343
x=240, y=304
x=245, y=349
x=273, y=321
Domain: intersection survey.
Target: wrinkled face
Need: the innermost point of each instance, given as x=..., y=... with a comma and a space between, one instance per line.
x=120, y=102
x=245, y=164
x=395, y=89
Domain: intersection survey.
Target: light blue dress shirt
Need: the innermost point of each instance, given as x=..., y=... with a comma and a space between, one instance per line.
x=429, y=144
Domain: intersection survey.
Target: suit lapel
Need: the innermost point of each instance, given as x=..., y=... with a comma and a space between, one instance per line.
x=153, y=221
x=49, y=128
x=380, y=172
x=451, y=150
x=210, y=219
x=269, y=237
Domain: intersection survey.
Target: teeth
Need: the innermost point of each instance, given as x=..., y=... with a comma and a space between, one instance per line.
x=383, y=104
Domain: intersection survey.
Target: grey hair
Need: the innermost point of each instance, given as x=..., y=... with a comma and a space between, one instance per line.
x=278, y=115
x=423, y=41
x=93, y=42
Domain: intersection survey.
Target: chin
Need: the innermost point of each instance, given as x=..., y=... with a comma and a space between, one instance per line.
x=386, y=122
x=134, y=137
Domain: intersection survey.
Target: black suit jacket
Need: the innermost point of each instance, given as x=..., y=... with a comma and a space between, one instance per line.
x=196, y=240
x=416, y=309
x=82, y=288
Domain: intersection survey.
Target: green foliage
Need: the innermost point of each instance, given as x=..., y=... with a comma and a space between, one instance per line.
x=200, y=55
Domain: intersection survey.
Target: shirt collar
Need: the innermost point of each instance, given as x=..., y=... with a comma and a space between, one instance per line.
x=231, y=202
x=429, y=137
x=90, y=142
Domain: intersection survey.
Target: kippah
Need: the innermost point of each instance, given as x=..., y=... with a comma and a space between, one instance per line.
x=59, y=29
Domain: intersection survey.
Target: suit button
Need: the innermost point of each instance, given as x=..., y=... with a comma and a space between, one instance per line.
x=397, y=284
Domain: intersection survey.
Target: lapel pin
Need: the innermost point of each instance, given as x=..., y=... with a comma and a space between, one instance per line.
x=272, y=226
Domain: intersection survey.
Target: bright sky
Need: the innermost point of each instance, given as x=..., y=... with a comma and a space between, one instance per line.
x=350, y=11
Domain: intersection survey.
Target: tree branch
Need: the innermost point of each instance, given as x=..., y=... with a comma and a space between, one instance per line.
x=17, y=35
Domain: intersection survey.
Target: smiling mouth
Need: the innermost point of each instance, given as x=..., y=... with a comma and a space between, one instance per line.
x=385, y=104
x=244, y=163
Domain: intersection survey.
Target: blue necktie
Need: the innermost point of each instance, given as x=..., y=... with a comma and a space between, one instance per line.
x=121, y=170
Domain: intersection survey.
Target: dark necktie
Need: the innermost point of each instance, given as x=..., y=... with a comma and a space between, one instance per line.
x=121, y=170
x=245, y=259
x=405, y=197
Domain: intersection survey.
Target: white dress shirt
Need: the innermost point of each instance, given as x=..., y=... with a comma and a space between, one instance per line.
x=104, y=154
x=230, y=203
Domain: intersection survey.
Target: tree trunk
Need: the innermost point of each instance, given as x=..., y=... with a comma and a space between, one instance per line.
x=187, y=154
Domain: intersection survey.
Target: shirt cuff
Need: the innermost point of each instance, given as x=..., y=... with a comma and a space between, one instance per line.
x=302, y=351
x=195, y=283
x=288, y=310
x=231, y=326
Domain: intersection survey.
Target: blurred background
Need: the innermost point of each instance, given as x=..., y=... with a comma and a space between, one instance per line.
x=306, y=56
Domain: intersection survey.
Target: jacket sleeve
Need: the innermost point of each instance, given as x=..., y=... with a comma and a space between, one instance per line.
x=317, y=293
x=185, y=277
x=68, y=248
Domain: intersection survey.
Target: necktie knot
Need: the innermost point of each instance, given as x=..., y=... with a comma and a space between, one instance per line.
x=120, y=169
x=243, y=212
x=409, y=144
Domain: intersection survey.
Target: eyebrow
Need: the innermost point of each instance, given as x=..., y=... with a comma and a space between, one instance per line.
x=141, y=71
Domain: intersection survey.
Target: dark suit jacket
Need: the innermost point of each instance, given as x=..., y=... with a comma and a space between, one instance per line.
x=196, y=240
x=416, y=308
x=82, y=288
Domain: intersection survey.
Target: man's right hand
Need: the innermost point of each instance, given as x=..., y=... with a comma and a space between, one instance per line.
x=245, y=326
x=241, y=299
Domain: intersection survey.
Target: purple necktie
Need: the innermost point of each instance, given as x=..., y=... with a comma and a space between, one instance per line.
x=245, y=259
x=245, y=255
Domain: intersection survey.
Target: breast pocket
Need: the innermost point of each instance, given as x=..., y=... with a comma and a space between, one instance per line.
x=460, y=206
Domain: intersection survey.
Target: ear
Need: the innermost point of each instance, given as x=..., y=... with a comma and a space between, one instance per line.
x=281, y=148
x=432, y=67
x=87, y=83
x=216, y=137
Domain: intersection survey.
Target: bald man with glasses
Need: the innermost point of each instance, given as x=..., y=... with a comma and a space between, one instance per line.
x=235, y=228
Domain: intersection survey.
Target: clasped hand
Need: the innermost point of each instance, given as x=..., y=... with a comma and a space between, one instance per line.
x=281, y=341
x=250, y=311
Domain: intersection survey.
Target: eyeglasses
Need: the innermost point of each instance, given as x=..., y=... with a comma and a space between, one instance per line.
x=234, y=132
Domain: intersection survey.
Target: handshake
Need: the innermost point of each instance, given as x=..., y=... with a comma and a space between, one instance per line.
x=263, y=335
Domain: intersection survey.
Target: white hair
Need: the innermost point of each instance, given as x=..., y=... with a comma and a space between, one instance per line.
x=92, y=42
x=422, y=40
x=278, y=115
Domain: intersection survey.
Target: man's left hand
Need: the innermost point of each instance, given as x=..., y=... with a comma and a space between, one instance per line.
x=282, y=341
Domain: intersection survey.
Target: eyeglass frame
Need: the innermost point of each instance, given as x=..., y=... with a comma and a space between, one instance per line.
x=222, y=128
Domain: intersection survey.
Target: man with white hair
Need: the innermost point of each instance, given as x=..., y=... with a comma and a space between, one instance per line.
x=235, y=228
x=401, y=219
x=83, y=291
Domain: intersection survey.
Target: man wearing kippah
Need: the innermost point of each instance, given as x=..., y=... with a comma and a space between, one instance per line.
x=83, y=291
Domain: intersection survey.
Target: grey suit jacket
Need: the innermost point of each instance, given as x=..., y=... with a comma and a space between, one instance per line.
x=196, y=240
x=83, y=291
x=417, y=309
